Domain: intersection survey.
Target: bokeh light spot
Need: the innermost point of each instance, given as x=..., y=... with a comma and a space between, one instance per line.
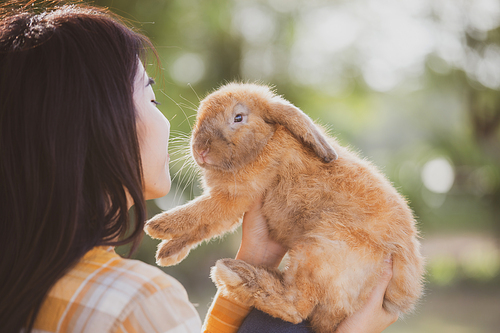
x=188, y=68
x=438, y=175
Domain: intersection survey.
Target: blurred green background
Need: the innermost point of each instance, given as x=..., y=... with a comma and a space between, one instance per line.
x=412, y=84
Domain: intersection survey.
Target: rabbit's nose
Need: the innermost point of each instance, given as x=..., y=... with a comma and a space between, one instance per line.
x=203, y=153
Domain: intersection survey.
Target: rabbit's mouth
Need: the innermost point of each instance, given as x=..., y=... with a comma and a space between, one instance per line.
x=210, y=160
x=206, y=162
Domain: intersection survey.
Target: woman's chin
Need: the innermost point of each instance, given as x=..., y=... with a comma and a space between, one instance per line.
x=158, y=191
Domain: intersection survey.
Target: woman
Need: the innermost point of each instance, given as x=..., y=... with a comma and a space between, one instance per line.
x=81, y=141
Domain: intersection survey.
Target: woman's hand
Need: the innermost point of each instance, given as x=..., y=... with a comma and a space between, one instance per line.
x=256, y=247
x=372, y=317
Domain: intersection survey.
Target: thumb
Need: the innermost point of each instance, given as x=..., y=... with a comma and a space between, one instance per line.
x=385, y=278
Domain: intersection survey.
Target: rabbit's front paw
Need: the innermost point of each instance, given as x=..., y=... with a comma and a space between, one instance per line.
x=158, y=228
x=171, y=252
x=167, y=226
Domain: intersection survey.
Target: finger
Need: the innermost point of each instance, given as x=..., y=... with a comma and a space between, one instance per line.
x=253, y=209
x=256, y=205
x=387, y=272
x=386, y=276
x=391, y=318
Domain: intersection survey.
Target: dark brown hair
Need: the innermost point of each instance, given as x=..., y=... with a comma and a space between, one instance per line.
x=69, y=150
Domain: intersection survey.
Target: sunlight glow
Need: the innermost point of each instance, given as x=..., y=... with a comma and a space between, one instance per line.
x=389, y=40
x=188, y=68
x=382, y=42
x=254, y=23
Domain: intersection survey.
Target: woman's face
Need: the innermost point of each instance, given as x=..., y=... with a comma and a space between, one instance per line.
x=153, y=130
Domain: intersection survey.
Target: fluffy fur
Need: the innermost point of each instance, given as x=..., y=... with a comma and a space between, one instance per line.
x=338, y=215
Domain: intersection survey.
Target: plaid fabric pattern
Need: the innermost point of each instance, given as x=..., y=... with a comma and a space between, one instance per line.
x=106, y=293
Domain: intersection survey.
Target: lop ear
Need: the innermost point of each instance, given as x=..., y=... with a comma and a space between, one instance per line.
x=301, y=126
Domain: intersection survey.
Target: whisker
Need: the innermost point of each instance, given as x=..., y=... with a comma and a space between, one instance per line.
x=191, y=103
x=187, y=106
x=190, y=86
x=187, y=179
x=186, y=174
x=178, y=105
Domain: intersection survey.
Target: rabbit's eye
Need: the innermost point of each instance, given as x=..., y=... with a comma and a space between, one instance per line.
x=238, y=118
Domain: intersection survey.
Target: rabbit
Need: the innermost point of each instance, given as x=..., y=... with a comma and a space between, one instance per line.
x=335, y=212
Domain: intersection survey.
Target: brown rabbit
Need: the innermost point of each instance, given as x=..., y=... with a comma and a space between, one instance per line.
x=337, y=214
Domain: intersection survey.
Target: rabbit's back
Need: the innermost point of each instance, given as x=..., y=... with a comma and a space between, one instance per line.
x=347, y=195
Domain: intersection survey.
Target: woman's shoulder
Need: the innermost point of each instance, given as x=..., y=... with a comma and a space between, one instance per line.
x=105, y=269
x=105, y=290
x=103, y=266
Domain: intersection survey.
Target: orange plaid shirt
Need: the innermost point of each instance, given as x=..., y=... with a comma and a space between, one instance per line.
x=106, y=293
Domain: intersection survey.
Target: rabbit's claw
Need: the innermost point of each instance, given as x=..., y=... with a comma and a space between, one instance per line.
x=171, y=252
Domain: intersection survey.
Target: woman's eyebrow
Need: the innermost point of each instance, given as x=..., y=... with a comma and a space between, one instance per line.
x=150, y=82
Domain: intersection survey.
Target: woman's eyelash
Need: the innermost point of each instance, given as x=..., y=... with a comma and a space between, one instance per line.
x=155, y=102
